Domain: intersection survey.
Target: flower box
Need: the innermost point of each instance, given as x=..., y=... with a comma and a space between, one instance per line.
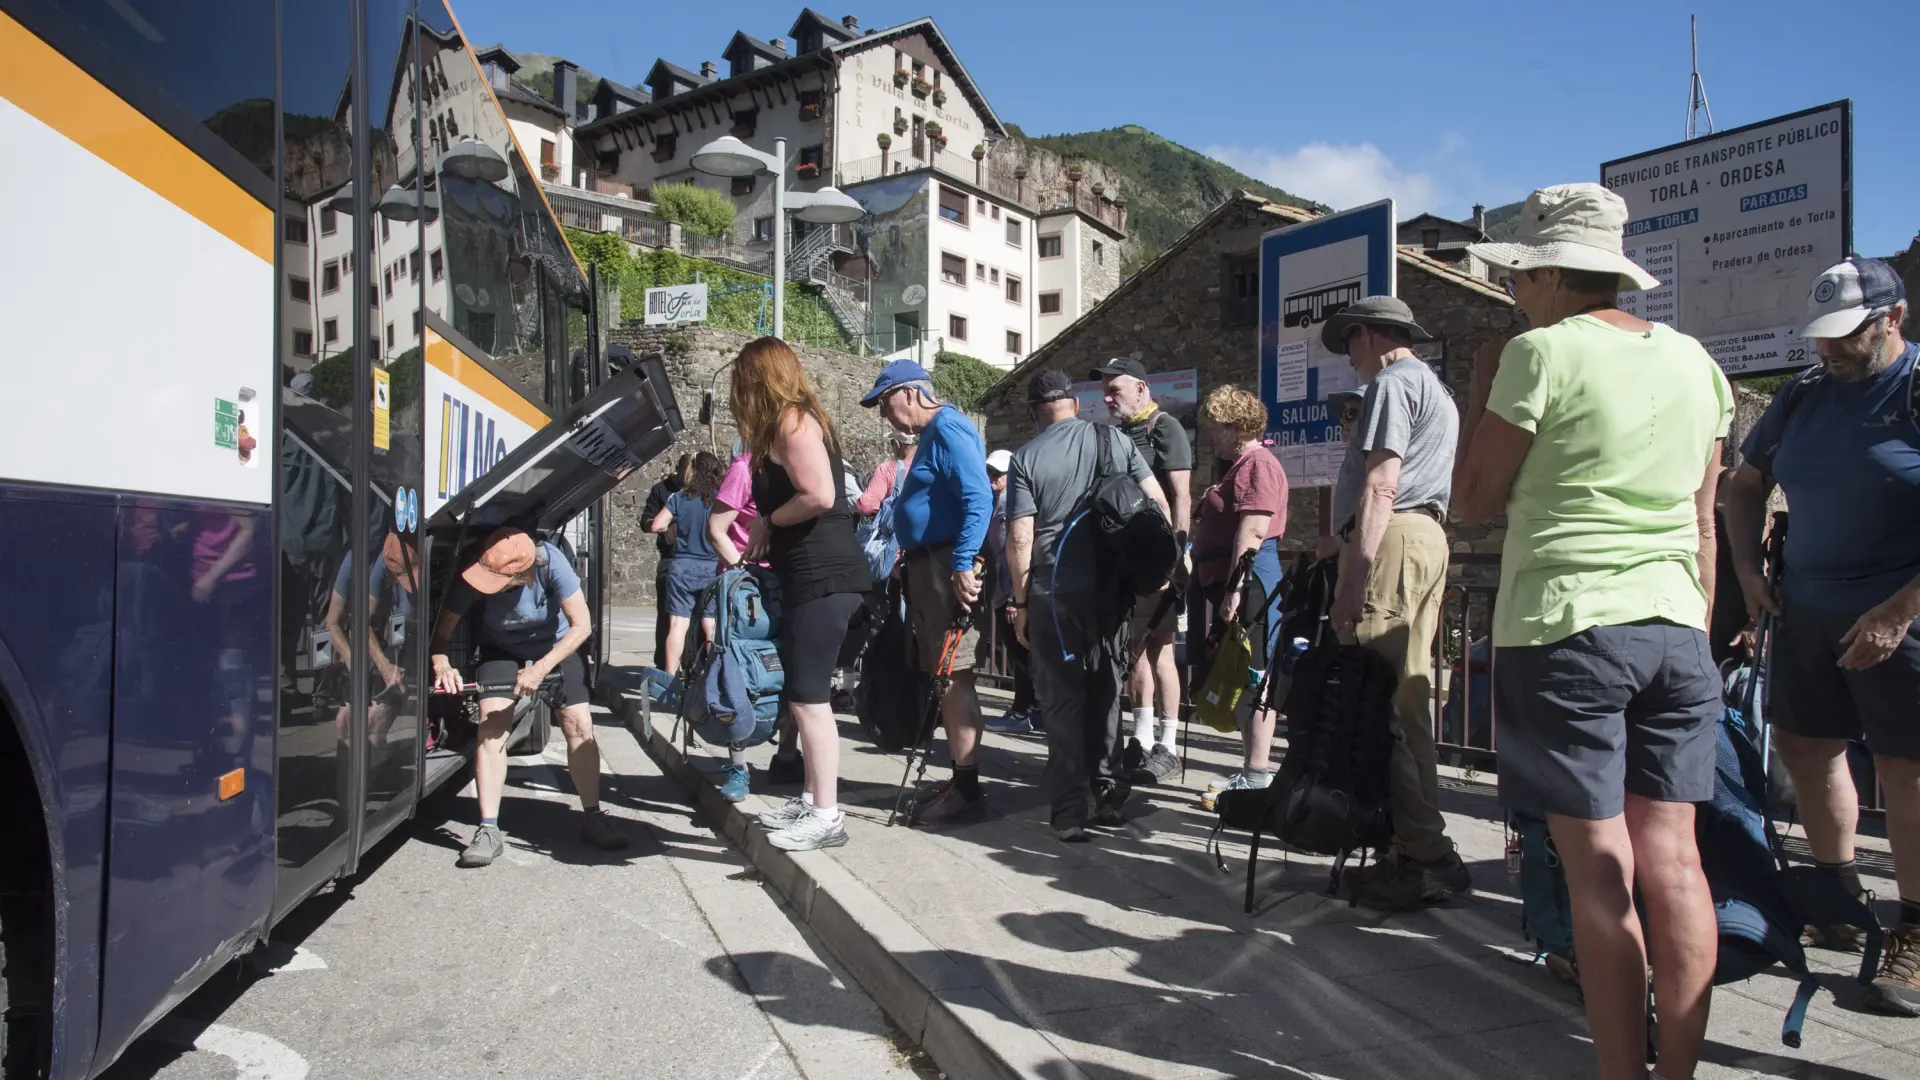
x=807, y=169
x=901, y=78
x=921, y=88
x=900, y=125
x=811, y=112
x=939, y=97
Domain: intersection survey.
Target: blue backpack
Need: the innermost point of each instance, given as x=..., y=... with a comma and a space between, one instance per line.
x=735, y=687
x=1761, y=904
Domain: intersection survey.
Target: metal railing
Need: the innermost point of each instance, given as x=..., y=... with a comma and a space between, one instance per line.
x=1465, y=730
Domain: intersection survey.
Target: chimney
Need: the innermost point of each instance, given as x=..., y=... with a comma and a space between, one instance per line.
x=779, y=45
x=708, y=70
x=1479, y=219
x=850, y=22
x=566, y=87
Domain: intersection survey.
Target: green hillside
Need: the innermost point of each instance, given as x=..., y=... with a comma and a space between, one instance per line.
x=536, y=71
x=1168, y=187
x=1504, y=221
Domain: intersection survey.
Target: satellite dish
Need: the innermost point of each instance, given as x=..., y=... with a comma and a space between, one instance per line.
x=913, y=294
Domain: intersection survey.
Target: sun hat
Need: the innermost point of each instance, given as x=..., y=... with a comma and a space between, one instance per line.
x=1367, y=311
x=1846, y=293
x=895, y=375
x=1572, y=227
x=507, y=554
x=1000, y=461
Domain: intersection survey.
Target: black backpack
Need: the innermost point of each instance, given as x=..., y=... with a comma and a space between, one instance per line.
x=890, y=701
x=1136, y=539
x=1330, y=796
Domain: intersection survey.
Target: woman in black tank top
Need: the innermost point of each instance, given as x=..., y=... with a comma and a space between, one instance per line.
x=806, y=532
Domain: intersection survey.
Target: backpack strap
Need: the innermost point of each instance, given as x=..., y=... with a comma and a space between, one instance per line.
x=1796, y=392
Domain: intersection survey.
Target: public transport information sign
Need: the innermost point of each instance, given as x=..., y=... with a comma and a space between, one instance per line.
x=293, y=329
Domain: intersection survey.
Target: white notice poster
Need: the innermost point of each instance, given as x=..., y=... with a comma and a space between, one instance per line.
x=1290, y=374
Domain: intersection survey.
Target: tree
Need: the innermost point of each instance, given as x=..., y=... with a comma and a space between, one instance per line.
x=698, y=210
x=961, y=379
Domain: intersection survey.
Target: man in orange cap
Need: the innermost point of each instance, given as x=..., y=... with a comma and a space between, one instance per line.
x=533, y=620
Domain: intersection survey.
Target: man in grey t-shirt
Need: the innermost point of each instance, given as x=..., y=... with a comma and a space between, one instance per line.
x=1393, y=571
x=1071, y=617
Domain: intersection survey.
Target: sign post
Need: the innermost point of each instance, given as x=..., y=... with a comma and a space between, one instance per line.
x=1308, y=273
x=1736, y=225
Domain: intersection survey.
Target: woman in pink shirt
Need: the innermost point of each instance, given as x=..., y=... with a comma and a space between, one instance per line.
x=727, y=529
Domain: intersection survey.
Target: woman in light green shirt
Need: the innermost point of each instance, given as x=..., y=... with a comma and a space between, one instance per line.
x=1599, y=435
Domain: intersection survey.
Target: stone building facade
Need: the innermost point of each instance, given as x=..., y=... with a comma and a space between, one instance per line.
x=1195, y=307
x=694, y=355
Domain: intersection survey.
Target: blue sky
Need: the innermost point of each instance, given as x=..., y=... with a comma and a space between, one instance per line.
x=1439, y=105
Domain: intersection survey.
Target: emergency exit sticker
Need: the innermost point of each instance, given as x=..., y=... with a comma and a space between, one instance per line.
x=226, y=424
x=382, y=399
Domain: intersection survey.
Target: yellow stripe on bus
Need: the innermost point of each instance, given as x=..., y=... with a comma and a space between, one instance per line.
x=50, y=88
x=468, y=372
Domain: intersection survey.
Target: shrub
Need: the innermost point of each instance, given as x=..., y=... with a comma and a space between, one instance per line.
x=961, y=379
x=699, y=210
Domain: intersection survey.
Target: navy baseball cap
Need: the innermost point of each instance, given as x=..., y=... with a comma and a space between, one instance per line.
x=897, y=374
x=1846, y=293
x=1120, y=365
x=1049, y=386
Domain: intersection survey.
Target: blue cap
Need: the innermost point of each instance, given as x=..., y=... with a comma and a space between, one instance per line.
x=898, y=373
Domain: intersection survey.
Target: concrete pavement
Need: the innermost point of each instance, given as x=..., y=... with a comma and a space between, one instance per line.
x=1005, y=953
x=671, y=959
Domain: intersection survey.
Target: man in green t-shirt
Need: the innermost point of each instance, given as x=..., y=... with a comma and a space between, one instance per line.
x=1599, y=435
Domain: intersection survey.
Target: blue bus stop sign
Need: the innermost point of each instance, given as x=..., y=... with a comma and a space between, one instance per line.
x=1308, y=272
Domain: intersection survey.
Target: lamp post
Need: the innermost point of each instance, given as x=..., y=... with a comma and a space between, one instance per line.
x=729, y=157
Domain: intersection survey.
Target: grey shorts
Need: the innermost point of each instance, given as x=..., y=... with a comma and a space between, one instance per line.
x=933, y=608
x=1813, y=696
x=1611, y=711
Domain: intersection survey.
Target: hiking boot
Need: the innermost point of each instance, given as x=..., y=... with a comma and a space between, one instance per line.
x=787, y=769
x=1398, y=883
x=1107, y=805
x=946, y=807
x=1896, y=990
x=1845, y=938
x=1071, y=834
x=1012, y=722
x=1244, y=780
x=734, y=781
x=485, y=847
x=1160, y=764
x=599, y=830
x=785, y=815
x=811, y=832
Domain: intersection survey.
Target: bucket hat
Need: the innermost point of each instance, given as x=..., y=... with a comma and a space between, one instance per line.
x=1367, y=311
x=1573, y=227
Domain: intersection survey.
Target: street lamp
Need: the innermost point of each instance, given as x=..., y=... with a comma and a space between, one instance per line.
x=729, y=157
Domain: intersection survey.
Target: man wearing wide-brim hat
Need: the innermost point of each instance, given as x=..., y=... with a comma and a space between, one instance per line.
x=1599, y=434
x=1396, y=482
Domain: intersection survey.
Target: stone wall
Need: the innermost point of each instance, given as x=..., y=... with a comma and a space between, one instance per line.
x=693, y=356
x=1170, y=317
x=1097, y=279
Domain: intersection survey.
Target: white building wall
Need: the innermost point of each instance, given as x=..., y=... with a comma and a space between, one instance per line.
x=531, y=127
x=868, y=102
x=990, y=262
x=1059, y=274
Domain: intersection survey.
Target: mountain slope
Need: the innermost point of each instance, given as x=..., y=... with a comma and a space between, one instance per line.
x=1504, y=221
x=1167, y=186
x=536, y=70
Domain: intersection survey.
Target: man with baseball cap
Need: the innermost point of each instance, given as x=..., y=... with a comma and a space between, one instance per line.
x=533, y=620
x=1843, y=442
x=1070, y=615
x=940, y=518
x=1154, y=682
x=1396, y=481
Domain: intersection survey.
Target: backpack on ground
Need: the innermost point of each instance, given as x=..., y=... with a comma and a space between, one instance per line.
x=732, y=695
x=1330, y=796
x=1546, y=911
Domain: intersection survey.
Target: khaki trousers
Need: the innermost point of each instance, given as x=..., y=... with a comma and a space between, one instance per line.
x=1400, y=620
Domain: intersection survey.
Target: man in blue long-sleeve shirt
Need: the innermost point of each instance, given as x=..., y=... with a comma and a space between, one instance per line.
x=940, y=519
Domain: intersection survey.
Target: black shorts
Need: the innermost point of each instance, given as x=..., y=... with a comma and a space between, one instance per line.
x=1611, y=711
x=498, y=667
x=1815, y=697
x=810, y=637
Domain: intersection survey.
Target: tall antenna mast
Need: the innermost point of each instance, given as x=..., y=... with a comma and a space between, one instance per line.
x=1697, y=93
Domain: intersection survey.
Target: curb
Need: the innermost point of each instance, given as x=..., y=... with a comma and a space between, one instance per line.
x=946, y=1006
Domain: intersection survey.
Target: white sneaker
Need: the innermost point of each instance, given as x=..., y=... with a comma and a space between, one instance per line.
x=786, y=814
x=814, y=831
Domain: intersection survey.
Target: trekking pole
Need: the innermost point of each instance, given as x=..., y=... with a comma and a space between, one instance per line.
x=1761, y=677
x=936, y=695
